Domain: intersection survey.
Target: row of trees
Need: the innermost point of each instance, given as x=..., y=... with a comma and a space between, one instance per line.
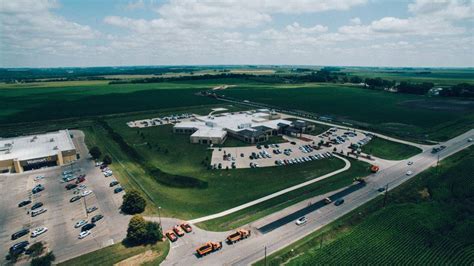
x=459, y=90
x=141, y=232
x=96, y=154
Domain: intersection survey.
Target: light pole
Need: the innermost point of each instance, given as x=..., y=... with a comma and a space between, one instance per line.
x=159, y=216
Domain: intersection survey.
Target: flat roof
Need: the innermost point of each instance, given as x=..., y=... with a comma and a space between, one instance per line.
x=35, y=146
x=209, y=132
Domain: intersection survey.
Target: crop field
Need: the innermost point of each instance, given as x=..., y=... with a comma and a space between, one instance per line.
x=428, y=221
x=390, y=150
x=402, y=115
x=184, y=187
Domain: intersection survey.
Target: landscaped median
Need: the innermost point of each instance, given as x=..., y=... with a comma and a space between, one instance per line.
x=390, y=150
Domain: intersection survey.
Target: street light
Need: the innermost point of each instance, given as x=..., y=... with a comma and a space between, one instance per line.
x=159, y=216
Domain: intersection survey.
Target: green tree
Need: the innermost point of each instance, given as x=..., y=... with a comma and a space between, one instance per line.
x=36, y=249
x=154, y=233
x=95, y=152
x=45, y=260
x=137, y=230
x=107, y=159
x=133, y=202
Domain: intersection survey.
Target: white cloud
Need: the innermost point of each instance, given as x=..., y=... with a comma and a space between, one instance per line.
x=355, y=21
x=447, y=9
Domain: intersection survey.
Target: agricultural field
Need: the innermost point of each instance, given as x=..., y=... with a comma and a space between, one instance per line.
x=428, y=220
x=406, y=116
x=390, y=150
x=183, y=185
x=118, y=252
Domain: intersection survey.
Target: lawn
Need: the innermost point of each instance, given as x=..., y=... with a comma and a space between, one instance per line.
x=248, y=215
x=427, y=221
x=115, y=253
x=406, y=116
x=173, y=154
x=389, y=150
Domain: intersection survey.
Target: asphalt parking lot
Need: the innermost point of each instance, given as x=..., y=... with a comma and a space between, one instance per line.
x=244, y=161
x=61, y=214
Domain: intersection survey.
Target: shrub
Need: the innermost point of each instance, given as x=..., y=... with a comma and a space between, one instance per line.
x=95, y=152
x=45, y=260
x=133, y=202
x=107, y=159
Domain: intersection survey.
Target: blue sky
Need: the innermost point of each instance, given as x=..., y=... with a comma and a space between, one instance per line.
x=57, y=33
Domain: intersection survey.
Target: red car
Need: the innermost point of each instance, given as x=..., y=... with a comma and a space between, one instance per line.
x=186, y=227
x=171, y=235
x=178, y=230
x=81, y=179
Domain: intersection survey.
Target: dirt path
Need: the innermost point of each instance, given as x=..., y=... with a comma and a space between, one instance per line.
x=146, y=256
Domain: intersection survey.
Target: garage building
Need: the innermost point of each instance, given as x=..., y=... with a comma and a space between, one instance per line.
x=25, y=153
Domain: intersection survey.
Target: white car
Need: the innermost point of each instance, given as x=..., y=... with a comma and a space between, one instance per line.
x=410, y=163
x=86, y=192
x=80, y=223
x=98, y=164
x=81, y=187
x=84, y=234
x=40, y=177
x=469, y=140
x=409, y=172
x=301, y=221
x=39, y=231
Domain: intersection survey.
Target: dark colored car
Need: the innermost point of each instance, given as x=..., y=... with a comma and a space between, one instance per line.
x=20, y=234
x=70, y=186
x=97, y=218
x=381, y=189
x=87, y=227
x=339, y=202
x=24, y=203
x=293, y=143
x=19, y=247
x=81, y=179
x=75, y=198
x=118, y=190
x=113, y=183
x=103, y=166
x=37, y=189
x=37, y=205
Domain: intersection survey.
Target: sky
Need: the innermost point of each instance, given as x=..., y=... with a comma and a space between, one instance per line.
x=82, y=33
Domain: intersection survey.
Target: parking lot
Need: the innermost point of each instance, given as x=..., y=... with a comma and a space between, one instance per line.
x=61, y=215
x=295, y=151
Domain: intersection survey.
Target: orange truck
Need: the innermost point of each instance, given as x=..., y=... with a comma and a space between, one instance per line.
x=208, y=248
x=239, y=235
x=374, y=168
x=186, y=227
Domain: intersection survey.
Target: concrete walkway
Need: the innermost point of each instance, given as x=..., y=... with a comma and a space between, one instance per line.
x=276, y=194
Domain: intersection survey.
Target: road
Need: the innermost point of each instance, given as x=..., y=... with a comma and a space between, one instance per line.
x=252, y=249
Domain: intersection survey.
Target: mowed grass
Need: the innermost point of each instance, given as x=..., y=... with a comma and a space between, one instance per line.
x=390, y=150
x=402, y=115
x=115, y=253
x=427, y=221
x=251, y=214
x=172, y=153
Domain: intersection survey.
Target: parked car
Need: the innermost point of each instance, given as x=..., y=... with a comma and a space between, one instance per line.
x=70, y=186
x=37, y=205
x=118, y=189
x=37, y=189
x=87, y=227
x=19, y=247
x=38, y=178
x=81, y=179
x=75, y=198
x=171, y=236
x=409, y=163
x=301, y=220
x=24, y=203
x=97, y=218
x=38, y=231
x=19, y=234
x=327, y=200
x=37, y=212
x=113, y=183
x=80, y=223
x=178, y=230
x=91, y=209
x=84, y=234
x=86, y=193
x=186, y=227
x=381, y=189
x=409, y=173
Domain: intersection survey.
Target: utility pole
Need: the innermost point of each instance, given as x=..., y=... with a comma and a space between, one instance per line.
x=265, y=255
x=385, y=196
x=321, y=242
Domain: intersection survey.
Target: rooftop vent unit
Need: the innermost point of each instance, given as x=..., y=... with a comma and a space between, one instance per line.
x=55, y=148
x=51, y=140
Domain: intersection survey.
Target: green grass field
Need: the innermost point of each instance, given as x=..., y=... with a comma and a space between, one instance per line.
x=390, y=150
x=427, y=221
x=240, y=218
x=173, y=154
x=115, y=253
x=402, y=115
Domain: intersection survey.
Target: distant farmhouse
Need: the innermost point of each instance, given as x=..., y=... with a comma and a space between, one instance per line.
x=249, y=126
